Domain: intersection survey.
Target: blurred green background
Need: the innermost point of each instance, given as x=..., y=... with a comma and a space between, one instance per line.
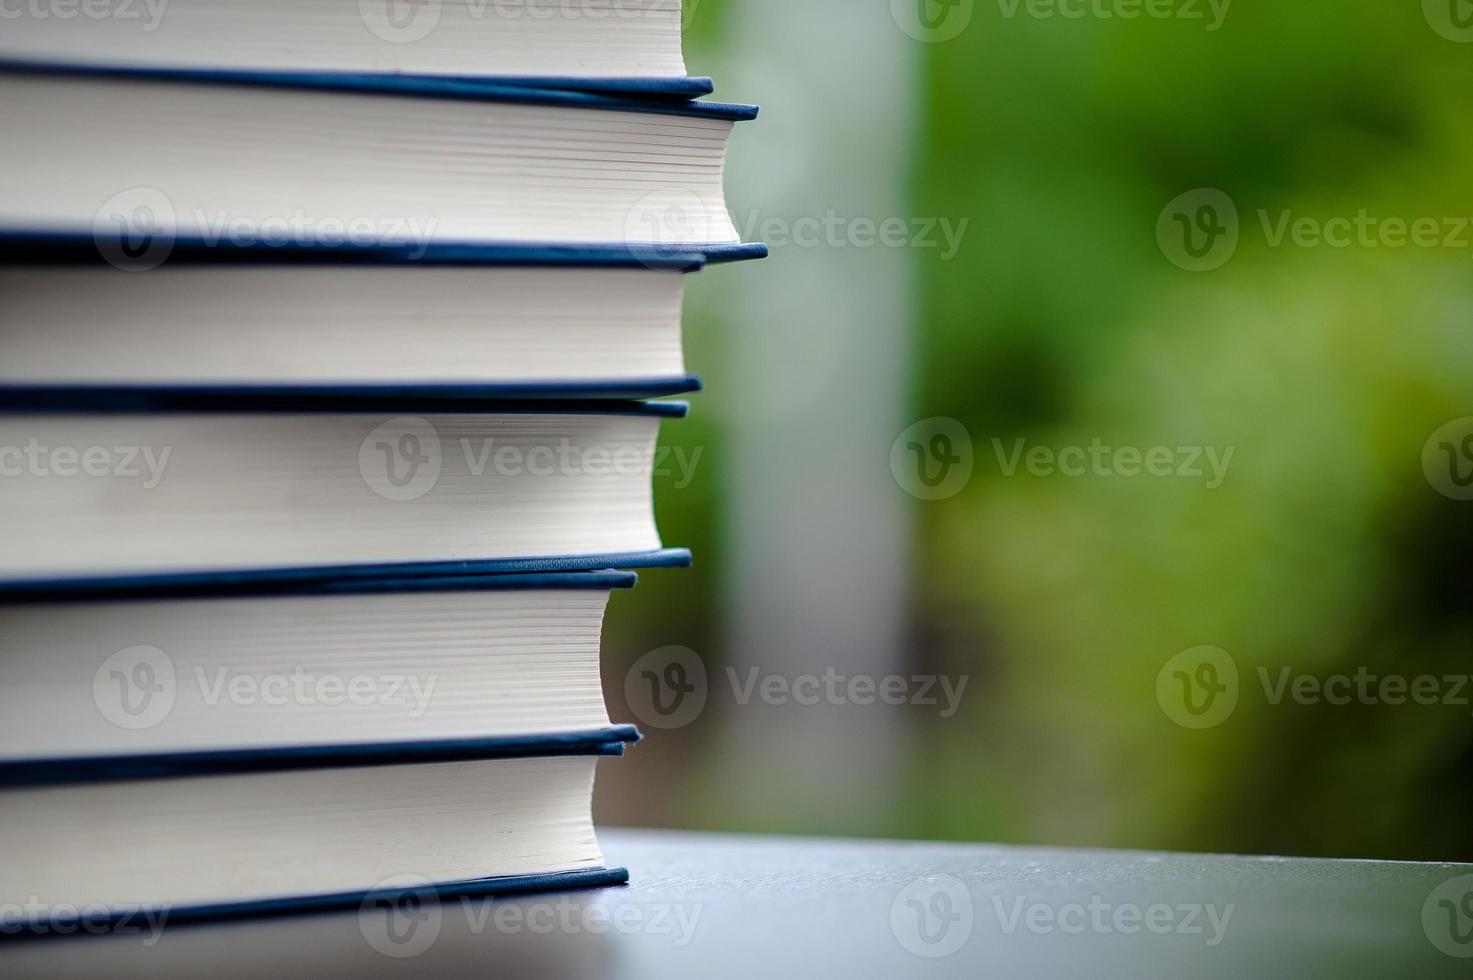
x=1061, y=320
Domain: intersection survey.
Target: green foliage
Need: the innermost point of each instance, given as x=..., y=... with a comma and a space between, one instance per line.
x=1327, y=369
x=1061, y=322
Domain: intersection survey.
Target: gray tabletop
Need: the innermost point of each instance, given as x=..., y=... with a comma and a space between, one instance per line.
x=706, y=905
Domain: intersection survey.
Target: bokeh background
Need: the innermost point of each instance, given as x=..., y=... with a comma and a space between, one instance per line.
x=1063, y=318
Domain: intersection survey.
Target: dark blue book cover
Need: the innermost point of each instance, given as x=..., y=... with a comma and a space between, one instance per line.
x=387, y=909
x=26, y=773
x=577, y=572
x=613, y=94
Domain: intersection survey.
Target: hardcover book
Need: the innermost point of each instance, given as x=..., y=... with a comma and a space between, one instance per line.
x=624, y=45
x=465, y=322
x=325, y=332
x=241, y=159
x=167, y=483
x=267, y=744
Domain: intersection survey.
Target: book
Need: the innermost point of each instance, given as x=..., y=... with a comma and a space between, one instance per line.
x=302, y=160
x=475, y=322
x=327, y=334
x=262, y=743
x=163, y=677
x=164, y=482
x=627, y=45
x=237, y=842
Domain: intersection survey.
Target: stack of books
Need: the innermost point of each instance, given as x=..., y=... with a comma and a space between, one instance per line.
x=327, y=331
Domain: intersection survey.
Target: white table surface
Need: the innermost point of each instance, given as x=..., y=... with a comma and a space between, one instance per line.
x=725, y=906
